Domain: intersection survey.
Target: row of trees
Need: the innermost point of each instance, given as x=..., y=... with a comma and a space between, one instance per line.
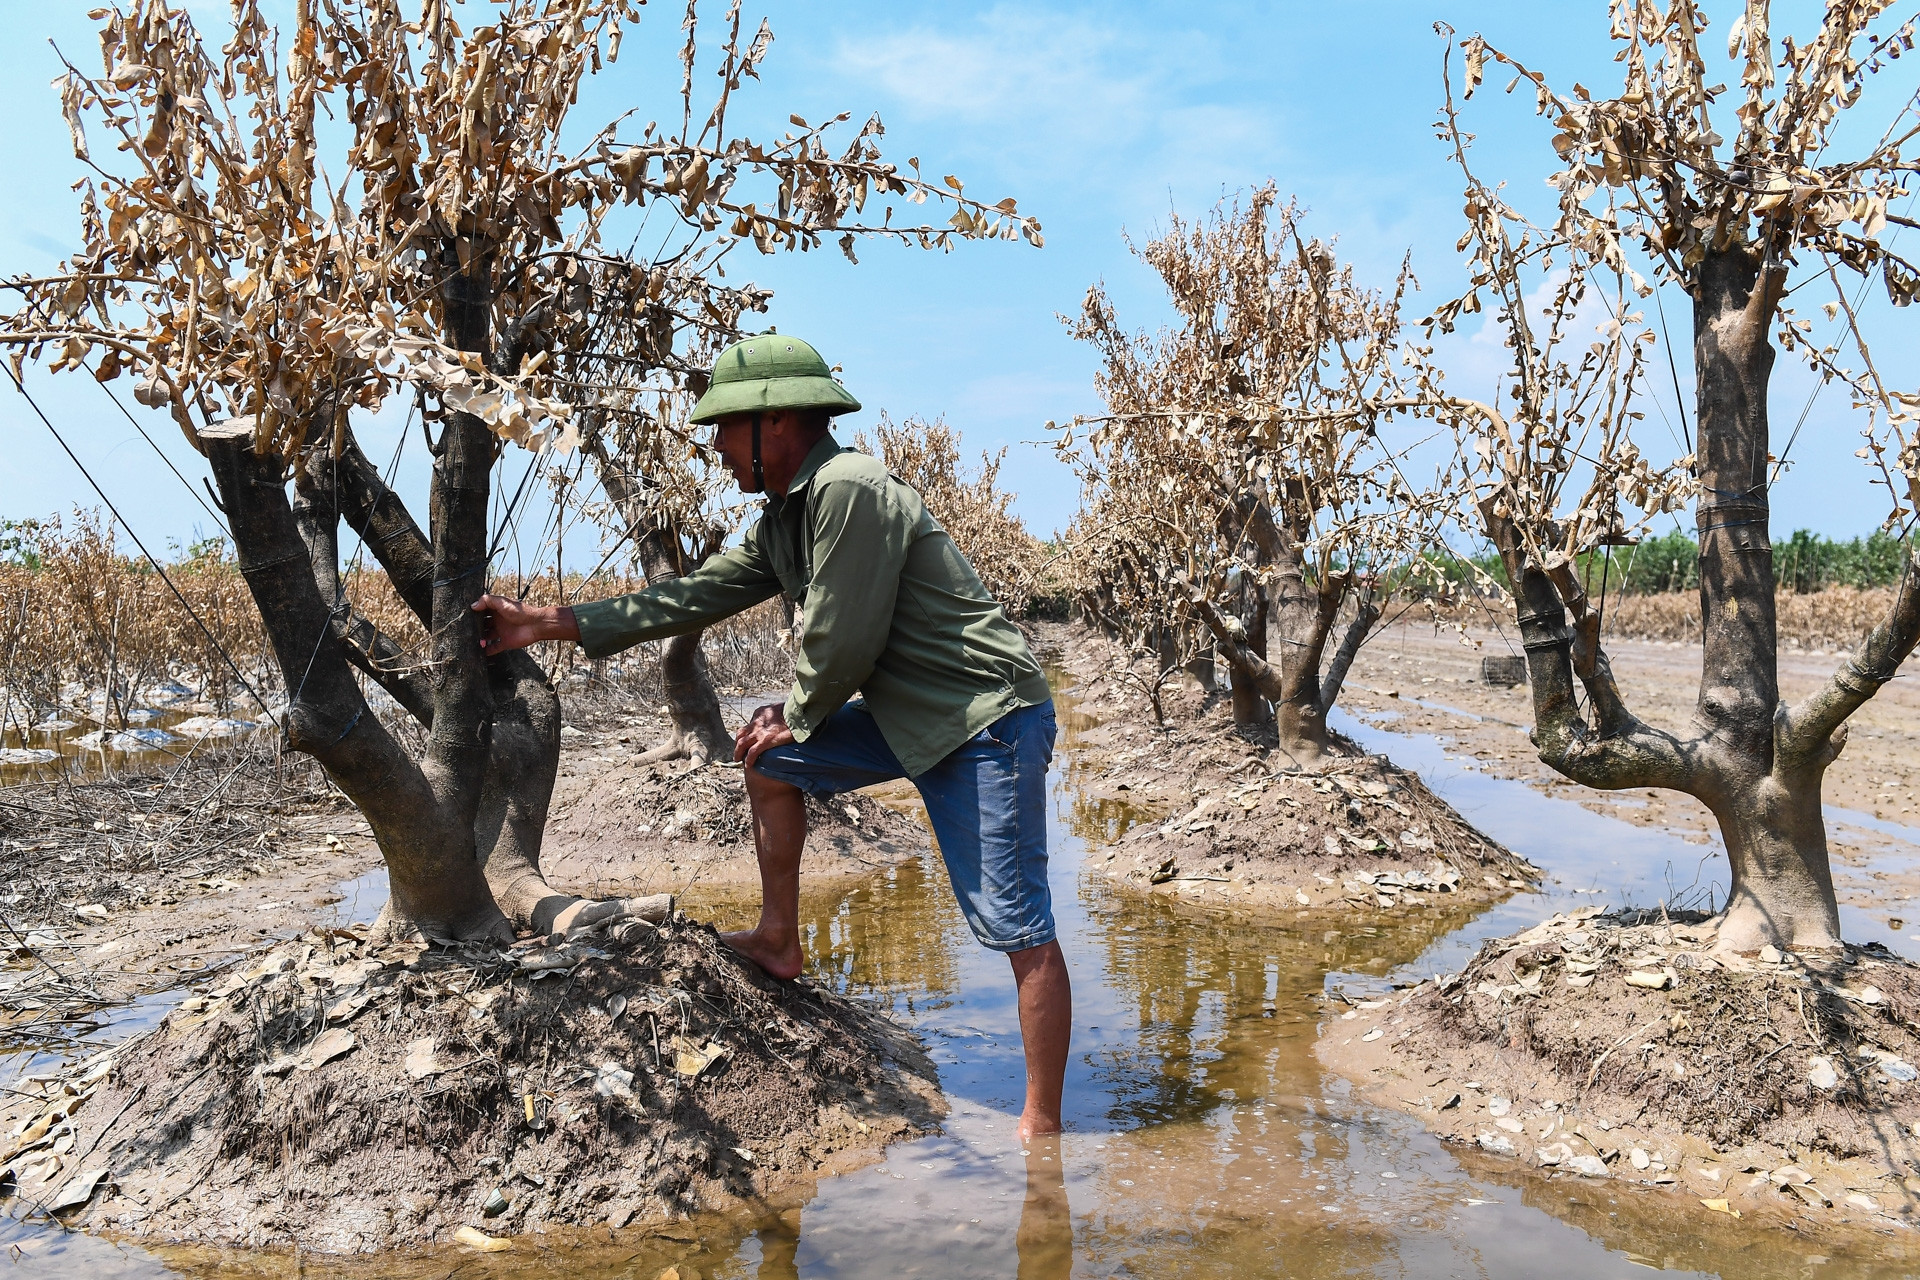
x=1241, y=489
x=1804, y=563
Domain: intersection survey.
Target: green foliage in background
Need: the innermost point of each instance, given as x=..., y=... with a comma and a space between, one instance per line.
x=1803, y=562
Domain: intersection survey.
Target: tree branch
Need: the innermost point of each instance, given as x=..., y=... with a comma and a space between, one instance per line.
x=1625, y=753
x=1357, y=632
x=1805, y=730
x=1256, y=668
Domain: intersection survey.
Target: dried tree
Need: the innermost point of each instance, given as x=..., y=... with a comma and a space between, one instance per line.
x=974, y=510
x=262, y=297
x=1647, y=178
x=1238, y=476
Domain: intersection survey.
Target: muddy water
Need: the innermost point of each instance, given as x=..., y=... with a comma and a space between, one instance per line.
x=149, y=741
x=1204, y=1138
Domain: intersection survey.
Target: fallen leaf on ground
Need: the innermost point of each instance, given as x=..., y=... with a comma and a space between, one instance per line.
x=1721, y=1206
x=328, y=1047
x=78, y=1190
x=690, y=1059
x=421, y=1061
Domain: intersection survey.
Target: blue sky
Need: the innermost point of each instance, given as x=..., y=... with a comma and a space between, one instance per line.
x=1099, y=119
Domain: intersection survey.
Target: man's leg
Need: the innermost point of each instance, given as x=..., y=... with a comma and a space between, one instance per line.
x=844, y=754
x=779, y=834
x=1046, y=1024
x=987, y=802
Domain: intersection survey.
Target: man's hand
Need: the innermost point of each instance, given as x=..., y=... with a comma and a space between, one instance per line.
x=506, y=624
x=768, y=728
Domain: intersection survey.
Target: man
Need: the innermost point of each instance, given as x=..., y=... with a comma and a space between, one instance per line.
x=953, y=698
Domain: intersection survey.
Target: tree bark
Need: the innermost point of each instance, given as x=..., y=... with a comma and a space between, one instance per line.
x=1304, y=617
x=524, y=751
x=1301, y=696
x=437, y=885
x=1201, y=668
x=1250, y=707
x=1768, y=807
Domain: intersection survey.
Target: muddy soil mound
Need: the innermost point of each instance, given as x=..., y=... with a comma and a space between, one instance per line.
x=345, y=1095
x=1213, y=813
x=1617, y=1046
x=620, y=827
x=1359, y=833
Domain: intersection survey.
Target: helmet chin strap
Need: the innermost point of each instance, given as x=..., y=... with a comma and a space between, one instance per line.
x=759, y=475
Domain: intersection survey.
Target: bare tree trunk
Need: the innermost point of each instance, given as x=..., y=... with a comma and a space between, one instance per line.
x=1776, y=840
x=460, y=829
x=693, y=706
x=1305, y=616
x=1250, y=707
x=1201, y=668
x=525, y=747
x=436, y=879
x=1166, y=649
x=1366, y=616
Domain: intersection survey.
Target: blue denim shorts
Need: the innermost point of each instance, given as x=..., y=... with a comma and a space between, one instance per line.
x=987, y=800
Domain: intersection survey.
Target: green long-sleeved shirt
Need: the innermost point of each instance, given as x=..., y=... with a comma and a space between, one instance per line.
x=890, y=606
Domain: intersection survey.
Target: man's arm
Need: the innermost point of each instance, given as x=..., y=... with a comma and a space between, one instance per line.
x=860, y=539
x=735, y=579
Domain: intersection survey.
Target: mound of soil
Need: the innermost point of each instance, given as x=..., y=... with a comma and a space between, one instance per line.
x=1360, y=833
x=1211, y=813
x=1617, y=1046
x=345, y=1095
x=622, y=827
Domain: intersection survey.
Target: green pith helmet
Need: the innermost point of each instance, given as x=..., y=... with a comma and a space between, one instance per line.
x=771, y=371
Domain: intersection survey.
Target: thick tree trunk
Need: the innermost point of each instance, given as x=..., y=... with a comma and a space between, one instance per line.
x=1201, y=668
x=524, y=753
x=1166, y=649
x=436, y=880
x=1739, y=685
x=1768, y=808
x=1782, y=890
x=1304, y=617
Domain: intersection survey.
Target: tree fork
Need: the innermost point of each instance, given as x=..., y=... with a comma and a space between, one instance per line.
x=436, y=882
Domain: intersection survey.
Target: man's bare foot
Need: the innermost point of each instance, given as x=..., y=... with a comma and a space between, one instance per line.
x=777, y=957
x=1034, y=1123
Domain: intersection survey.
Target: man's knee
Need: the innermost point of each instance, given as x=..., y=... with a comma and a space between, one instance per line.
x=761, y=788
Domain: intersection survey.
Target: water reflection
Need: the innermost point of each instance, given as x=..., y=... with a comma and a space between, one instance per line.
x=1044, y=1241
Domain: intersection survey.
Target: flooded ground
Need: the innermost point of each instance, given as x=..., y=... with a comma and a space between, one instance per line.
x=84, y=748
x=1204, y=1138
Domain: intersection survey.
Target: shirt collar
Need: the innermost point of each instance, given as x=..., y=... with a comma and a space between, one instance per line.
x=816, y=458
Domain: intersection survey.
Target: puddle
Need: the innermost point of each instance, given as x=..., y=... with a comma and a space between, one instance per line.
x=1204, y=1139
x=1583, y=851
x=78, y=746
x=360, y=898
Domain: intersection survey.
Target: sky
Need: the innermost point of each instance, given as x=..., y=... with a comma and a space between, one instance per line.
x=1099, y=120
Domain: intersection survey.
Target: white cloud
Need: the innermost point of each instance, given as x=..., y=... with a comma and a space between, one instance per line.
x=1094, y=102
